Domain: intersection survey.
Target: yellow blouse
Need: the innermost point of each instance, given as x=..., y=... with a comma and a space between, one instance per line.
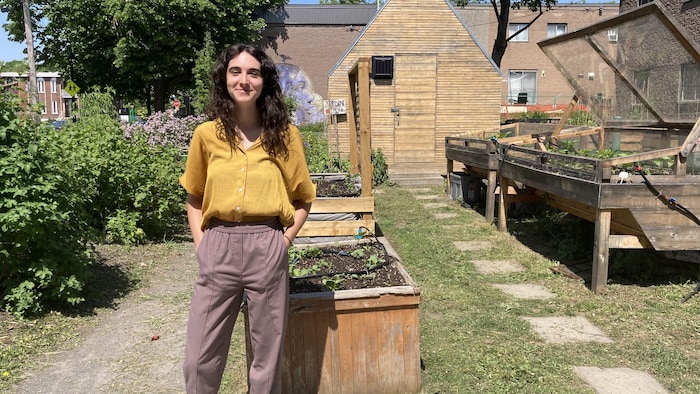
x=238, y=185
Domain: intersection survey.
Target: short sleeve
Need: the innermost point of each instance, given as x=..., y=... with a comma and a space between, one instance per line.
x=195, y=175
x=296, y=171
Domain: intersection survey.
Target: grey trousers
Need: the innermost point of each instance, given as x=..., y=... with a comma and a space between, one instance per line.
x=233, y=258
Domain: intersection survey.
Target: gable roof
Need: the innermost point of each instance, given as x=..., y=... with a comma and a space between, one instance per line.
x=426, y=2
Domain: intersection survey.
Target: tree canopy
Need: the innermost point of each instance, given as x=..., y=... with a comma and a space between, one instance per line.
x=143, y=49
x=502, y=9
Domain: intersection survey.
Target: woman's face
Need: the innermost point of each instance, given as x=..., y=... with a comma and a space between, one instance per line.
x=244, y=80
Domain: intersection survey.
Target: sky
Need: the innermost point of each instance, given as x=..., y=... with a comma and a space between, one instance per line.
x=10, y=50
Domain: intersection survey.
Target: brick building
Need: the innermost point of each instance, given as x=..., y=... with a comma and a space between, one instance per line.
x=50, y=92
x=312, y=38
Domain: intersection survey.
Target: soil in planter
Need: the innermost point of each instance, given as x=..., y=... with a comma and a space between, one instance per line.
x=335, y=188
x=344, y=267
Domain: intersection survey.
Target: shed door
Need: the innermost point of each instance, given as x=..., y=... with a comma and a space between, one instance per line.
x=415, y=95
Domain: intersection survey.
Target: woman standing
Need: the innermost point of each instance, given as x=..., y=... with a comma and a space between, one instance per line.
x=249, y=193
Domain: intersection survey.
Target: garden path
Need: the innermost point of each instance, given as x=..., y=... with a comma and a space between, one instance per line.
x=554, y=329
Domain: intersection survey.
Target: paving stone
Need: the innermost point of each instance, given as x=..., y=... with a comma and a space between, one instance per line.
x=432, y=205
x=452, y=227
x=568, y=329
x=619, y=380
x=472, y=245
x=428, y=196
x=420, y=190
x=444, y=215
x=497, y=266
x=526, y=291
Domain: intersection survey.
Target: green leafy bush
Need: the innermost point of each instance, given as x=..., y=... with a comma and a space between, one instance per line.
x=316, y=146
x=43, y=222
x=62, y=189
x=380, y=168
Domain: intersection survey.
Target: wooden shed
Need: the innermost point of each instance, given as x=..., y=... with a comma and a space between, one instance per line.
x=430, y=78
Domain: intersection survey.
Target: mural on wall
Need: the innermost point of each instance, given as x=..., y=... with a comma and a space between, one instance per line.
x=297, y=84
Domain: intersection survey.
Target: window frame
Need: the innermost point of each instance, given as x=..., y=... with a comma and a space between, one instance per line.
x=685, y=86
x=531, y=92
x=556, y=29
x=523, y=36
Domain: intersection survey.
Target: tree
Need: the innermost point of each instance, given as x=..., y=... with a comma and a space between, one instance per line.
x=502, y=9
x=17, y=66
x=143, y=50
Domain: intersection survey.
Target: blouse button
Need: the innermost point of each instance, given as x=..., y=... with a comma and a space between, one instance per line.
x=242, y=169
x=238, y=208
x=240, y=189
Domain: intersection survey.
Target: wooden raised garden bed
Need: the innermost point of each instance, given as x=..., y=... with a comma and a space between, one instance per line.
x=361, y=206
x=637, y=176
x=353, y=341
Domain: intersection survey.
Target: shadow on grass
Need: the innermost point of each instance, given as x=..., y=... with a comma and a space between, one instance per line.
x=569, y=240
x=105, y=285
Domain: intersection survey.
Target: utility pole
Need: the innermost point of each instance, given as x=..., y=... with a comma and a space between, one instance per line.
x=30, y=53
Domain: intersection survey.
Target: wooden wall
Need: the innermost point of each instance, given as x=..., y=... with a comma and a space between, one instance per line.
x=444, y=81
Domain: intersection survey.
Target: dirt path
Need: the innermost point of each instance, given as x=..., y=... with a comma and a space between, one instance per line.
x=118, y=354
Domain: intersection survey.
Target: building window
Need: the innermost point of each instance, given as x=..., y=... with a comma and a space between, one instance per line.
x=40, y=86
x=522, y=87
x=612, y=34
x=54, y=105
x=53, y=85
x=555, y=29
x=522, y=36
x=690, y=82
x=642, y=2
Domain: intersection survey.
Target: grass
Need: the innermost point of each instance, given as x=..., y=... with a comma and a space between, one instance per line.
x=473, y=337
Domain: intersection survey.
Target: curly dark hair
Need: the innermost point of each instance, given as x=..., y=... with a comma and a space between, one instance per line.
x=273, y=111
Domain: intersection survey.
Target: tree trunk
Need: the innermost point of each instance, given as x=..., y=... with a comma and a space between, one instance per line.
x=160, y=90
x=501, y=42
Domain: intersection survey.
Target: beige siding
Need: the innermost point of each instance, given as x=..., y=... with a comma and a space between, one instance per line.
x=455, y=95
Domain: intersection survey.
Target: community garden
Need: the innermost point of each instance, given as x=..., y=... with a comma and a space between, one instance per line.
x=97, y=267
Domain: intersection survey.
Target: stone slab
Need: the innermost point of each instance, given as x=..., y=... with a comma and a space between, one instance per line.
x=497, y=266
x=432, y=205
x=420, y=190
x=570, y=329
x=619, y=380
x=525, y=291
x=463, y=246
x=427, y=196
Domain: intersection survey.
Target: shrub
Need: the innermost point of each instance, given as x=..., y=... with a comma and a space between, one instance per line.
x=380, y=169
x=316, y=146
x=165, y=129
x=43, y=221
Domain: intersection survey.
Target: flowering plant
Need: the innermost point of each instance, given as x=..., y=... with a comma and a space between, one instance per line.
x=163, y=128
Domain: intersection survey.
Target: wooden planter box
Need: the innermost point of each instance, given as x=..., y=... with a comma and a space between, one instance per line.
x=352, y=341
x=339, y=216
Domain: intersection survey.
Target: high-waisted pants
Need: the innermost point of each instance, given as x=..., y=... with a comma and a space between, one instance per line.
x=233, y=258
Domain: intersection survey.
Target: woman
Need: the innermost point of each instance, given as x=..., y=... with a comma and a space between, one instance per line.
x=248, y=194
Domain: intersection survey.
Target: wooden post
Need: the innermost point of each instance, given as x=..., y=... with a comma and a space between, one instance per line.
x=491, y=196
x=601, y=249
x=502, y=204
x=564, y=118
x=450, y=169
x=352, y=120
x=366, y=168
